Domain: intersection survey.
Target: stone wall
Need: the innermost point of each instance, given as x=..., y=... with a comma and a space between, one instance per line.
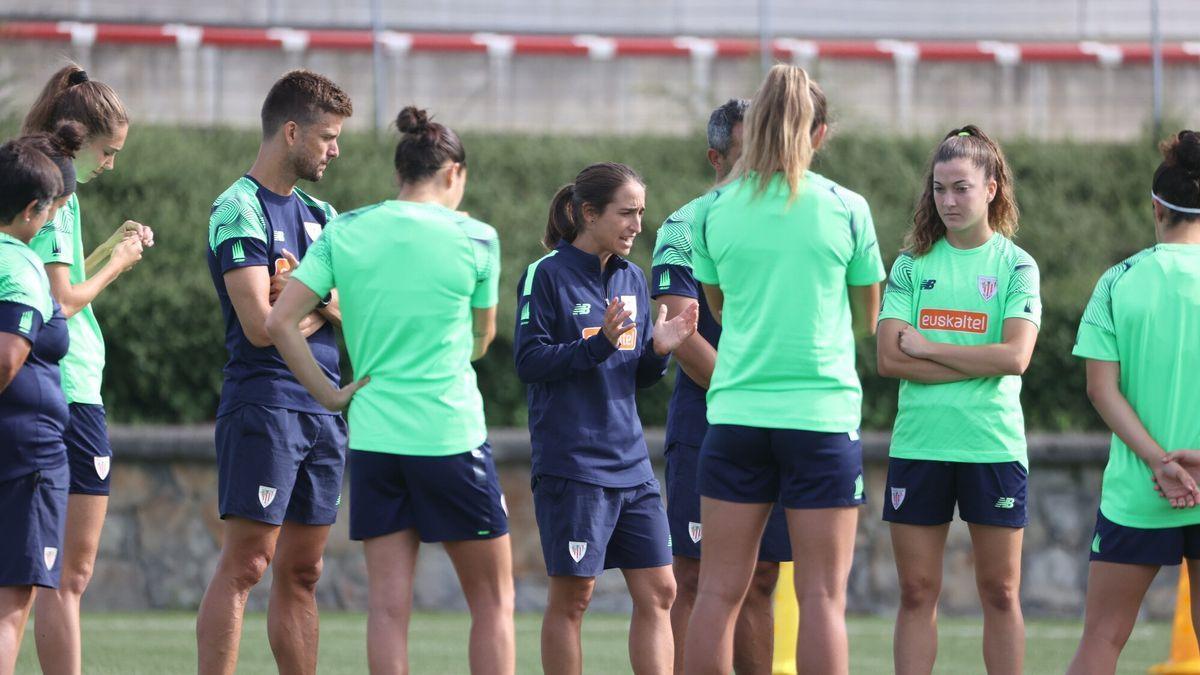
x=161, y=540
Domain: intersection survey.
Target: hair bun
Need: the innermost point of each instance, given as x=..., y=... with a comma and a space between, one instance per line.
x=1186, y=153
x=412, y=120
x=69, y=137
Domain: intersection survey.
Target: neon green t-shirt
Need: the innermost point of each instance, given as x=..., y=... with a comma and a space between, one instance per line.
x=1145, y=314
x=408, y=275
x=61, y=241
x=787, y=343
x=963, y=297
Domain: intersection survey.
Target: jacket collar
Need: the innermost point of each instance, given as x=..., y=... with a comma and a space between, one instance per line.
x=585, y=261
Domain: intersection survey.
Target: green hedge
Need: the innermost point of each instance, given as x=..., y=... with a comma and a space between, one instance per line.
x=1084, y=207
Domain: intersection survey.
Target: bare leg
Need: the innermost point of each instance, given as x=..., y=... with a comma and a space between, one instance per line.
x=754, y=633
x=650, y=645
x=1114, y=595
x=293, y=626
x=998, y=578
x=562, y=653
x=56, y=613
x=15, y=602
x=246, y=552
x=687, y=575
x=731, y=535
x=823, y=543
x=391, y=561
x=919, y=550
x=485, y=571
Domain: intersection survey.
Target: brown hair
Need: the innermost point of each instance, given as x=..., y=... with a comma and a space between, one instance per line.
x=61, y=147
x=425, y=146
x=72, y=95
x=26, y=175
x=777, y=131
x=596, y=186
x=301, y=96
x=968, y=142
x=1177, y=179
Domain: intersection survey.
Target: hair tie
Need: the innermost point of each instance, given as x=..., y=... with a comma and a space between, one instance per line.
x=78, y=77
x=964, y=133
x=1173, y=207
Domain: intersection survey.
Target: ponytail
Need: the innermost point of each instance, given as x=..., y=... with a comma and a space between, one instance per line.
x=72, y=95
x=778, y=128
x=560, y=226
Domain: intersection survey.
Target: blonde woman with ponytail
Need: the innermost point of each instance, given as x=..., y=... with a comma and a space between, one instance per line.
x=791, y=270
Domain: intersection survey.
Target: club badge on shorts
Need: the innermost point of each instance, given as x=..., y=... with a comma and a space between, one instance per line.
x=987, y=287
x=898, y=497
x=49, y=555
x=695, y=531
x=266, y=495
x=102, y=466
x=577, y=549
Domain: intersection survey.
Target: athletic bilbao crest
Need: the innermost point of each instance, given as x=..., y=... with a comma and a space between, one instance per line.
x=577, y=549
x=897, y=497
x=266, y=495
x=313, y=230
x=49, y=555
x=102, y=466
x=987, y=287
x=695, y=531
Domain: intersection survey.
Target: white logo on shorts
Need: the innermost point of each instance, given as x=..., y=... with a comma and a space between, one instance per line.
x=49, y=555
x=577, y=549
x=102, y=466
x=504, y=504
x=898, y=497
x=695, y=531
x=266, y=495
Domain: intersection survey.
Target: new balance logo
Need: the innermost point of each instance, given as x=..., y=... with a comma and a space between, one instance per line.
x=581, y=309
x=280, y=236
x=26, y=323
x=238, y=253
x=928, y=284
x=1005, y=503
x=664, y=279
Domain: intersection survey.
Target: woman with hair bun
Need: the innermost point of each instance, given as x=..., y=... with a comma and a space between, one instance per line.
x=418, y=286
x=585, y=342
x=33, y=410
x=1138, y=337
x=76, y=280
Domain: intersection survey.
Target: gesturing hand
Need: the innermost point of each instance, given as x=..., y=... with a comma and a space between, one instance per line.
x=339, y=399
x=281, y=276
x=1175, y=478
x=668, y=335
x=614, y=321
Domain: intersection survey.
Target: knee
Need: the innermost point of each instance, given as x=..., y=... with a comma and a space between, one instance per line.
x=762, y=585
x=1000, y=595
x=658, y=596
x=301, y=575
x=571, y=606
x=687, y=579
x=246, y=570
x=919, y=592
x=76, y=575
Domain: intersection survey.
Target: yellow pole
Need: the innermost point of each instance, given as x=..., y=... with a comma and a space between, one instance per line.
x=787, y=622
x=1185, y=656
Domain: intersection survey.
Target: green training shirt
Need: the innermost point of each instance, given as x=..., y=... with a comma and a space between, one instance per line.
x=61, y=241
x=408, y=275
x=787, y=343
x=1145, y=315
x=963, y=297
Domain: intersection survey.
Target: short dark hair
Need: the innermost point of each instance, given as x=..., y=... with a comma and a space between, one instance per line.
x=425, y=146
x=722, y=121
x=301, y=96
x=61, y=147
x=26, y=175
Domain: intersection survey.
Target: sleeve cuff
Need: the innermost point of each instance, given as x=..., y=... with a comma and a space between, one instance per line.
x=599, y=348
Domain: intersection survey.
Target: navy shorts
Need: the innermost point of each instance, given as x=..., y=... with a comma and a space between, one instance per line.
x=586, y=529
x=275, y=464
x=449, y=498
x=799, y=469
x=88, y=451
x=924, y=492
x=33, y=518
x=1138, y=546
x=683, y=511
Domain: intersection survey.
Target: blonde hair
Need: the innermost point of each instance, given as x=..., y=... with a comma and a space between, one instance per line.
x=969, y=143
x=777, y=131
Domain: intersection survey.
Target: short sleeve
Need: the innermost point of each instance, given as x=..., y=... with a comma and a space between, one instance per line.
x=898, y=295
x=865, y=266
x=1024, y=299
x=1097, y=336
x=316, y=269
x=703, y=267
x=237, y=233
x=671, y=273
x=485, y=246
x=55, y=242
x=20, y=319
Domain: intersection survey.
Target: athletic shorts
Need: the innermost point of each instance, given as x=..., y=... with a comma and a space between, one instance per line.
x=275, y=464
x=799, y=469
x=586, y=529
x=88, y=451
x=924, y=492
x=33, y=518
x=1139, y=546
x=683, y=511
x=448, y=498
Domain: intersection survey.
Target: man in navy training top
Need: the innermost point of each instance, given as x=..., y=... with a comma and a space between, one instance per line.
x=280, y=454
x=672, y=284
